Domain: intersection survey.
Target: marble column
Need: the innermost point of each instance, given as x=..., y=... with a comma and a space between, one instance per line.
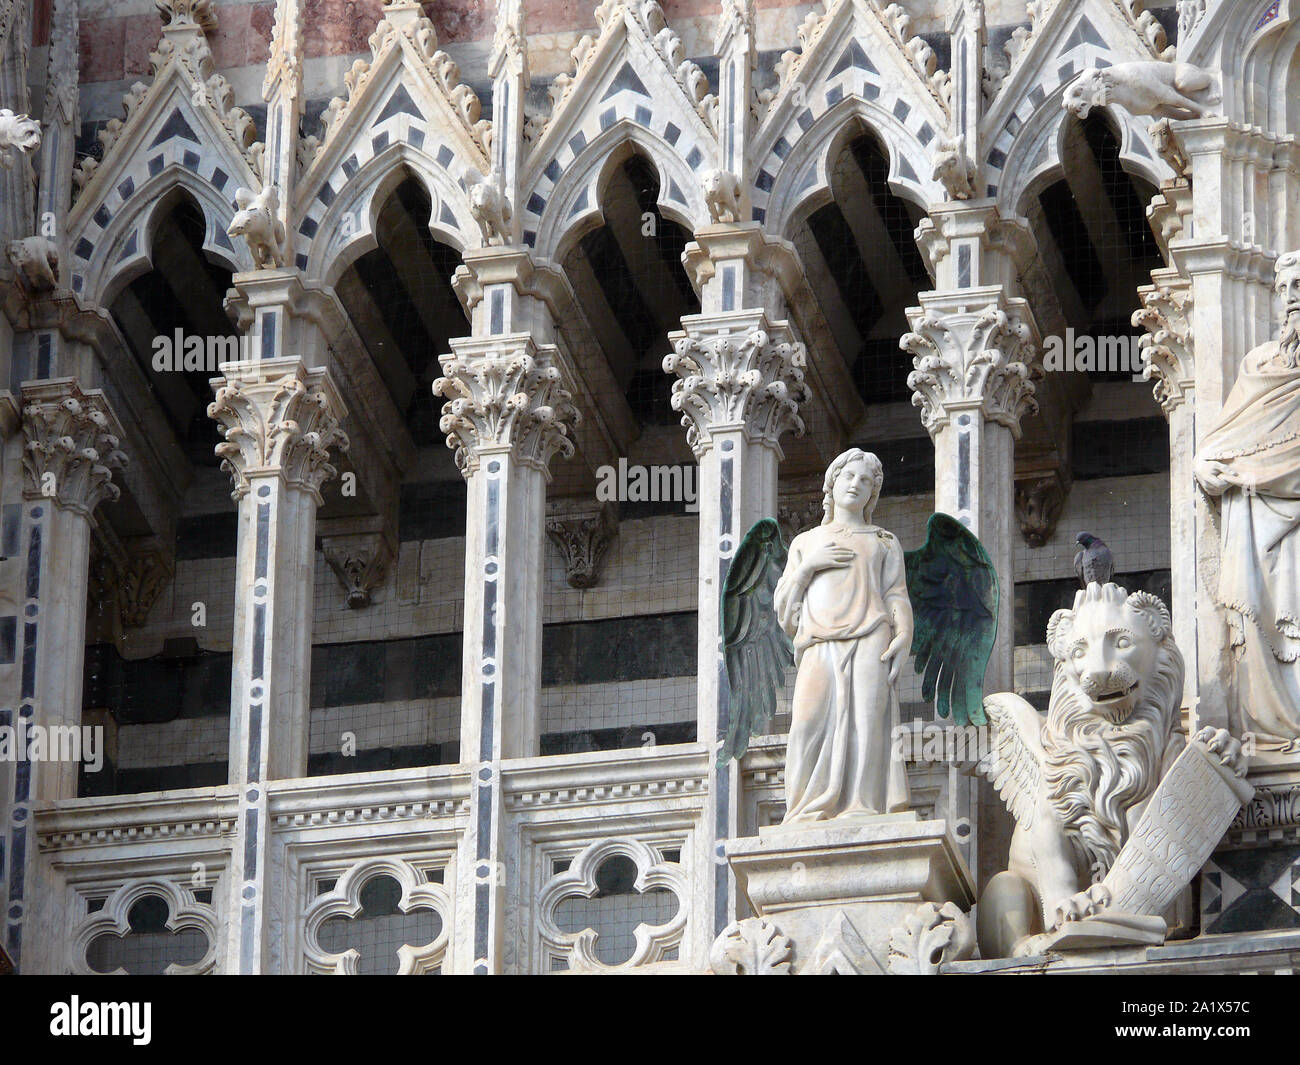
x=1166, y=314
x=506, y=416
x=70, y=454
x=740, y=383
x=1224, y=255
x=280, y=420
x=971, y=351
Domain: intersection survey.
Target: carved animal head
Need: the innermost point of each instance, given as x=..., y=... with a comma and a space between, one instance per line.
x=256, y=211
x=19, y=132
x=1108, y=646
x=1116, y=692
x=1091, y=89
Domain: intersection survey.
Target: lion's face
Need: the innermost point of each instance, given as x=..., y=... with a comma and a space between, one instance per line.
x=1087, y=92
x=1109, y=645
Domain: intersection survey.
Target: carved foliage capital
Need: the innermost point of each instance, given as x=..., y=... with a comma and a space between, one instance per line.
x=744, y=378
x=1167, y=349
x=71, y=449
x=979, y=359
x=505, y=397
x=276, y=422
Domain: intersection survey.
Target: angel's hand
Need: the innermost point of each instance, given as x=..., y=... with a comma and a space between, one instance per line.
x=828, y=556
x=896, y=654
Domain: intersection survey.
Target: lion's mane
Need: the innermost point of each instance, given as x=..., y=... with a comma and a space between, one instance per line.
x=1093, y=770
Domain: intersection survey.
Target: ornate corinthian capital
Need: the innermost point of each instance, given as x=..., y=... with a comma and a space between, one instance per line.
x=71, y=450
x=501, y=393
x=278, y=417
x=1166, y=315
x=968, y=359
x=741, y=379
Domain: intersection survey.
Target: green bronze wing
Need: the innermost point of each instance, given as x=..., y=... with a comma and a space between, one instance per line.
x=757, y=650
x=954, y=593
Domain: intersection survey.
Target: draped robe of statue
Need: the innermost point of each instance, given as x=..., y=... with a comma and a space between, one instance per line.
x=1257, y=440
x=839, y=759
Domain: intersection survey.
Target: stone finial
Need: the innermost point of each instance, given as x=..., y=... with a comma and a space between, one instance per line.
x=504, y=392
x=277, y=418
x=971, y=359
x=72, y=446
x=1167, y=349
x=187, y=13
x=743, y=378
x=285, y=61
x=509, y=41
x=583, y=535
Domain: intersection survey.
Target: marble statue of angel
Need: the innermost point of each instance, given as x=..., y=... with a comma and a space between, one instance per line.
x=846, y=604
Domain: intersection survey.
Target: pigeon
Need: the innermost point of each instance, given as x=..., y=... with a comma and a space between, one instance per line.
x=1094, y=563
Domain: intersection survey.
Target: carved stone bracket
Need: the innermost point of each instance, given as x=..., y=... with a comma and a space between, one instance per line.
x=744, y=378
x=505, y=392
x=799, y=508
x=360, y=561
x=145, y=571
x=928, y=938
x=1039, y=502
x=966, y=358
x=583, y=534
x=1167, y=349
x=278, y=418
x=72, y=446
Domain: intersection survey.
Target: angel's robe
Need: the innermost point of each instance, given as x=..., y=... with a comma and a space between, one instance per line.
x=1257, y=438
x=839, y=757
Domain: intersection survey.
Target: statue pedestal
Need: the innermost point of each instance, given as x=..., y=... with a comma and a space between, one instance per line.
x=838, y=889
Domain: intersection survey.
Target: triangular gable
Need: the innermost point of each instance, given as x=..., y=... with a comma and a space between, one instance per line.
x=1070, y=39
x=408, y=94
x=855, y=50
x=634, y=71
x=182, y=124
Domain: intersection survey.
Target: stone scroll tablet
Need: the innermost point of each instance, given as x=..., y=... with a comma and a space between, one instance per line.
x=1182, y=824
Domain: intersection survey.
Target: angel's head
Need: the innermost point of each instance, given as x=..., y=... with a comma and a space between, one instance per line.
x=853, y=480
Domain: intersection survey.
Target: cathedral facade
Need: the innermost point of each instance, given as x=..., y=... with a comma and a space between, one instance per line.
x=387, y=389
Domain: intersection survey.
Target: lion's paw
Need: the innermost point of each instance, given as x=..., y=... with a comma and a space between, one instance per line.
x=1086, y=903
x=1222, y=745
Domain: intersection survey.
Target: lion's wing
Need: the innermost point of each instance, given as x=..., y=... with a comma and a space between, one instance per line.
x=1015, y=762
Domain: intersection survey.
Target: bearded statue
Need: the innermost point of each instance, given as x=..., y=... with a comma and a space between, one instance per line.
x=1250, y=461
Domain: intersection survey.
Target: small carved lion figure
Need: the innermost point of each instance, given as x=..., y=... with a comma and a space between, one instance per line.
x=37, y=261
x=258, y=222
x=1078, y=781
x=489, y=206
x=1165, y=90
x=722, y=195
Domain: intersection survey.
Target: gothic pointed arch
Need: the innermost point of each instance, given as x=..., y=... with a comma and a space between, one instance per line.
x=1022, y=130
x=858, y=59
x=180, y=129
x=631, y=81
x=404, y=107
